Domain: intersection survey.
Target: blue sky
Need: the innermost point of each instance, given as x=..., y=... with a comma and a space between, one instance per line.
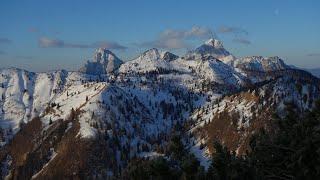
x=46, y=35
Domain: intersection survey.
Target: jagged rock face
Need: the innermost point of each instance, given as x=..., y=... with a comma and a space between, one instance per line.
x=212, y=47
x=104, y=62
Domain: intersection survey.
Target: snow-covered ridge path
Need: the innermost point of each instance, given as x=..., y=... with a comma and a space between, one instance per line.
x=85, y=103
x=75, y=124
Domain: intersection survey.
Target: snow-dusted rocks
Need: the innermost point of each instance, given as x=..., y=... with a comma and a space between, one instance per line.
x=104, y=62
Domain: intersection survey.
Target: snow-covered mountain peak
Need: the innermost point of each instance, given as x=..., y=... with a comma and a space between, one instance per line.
x=103, y=54
x=151, y=54
x=104, y=61
x=211, y=47
x=214, y=42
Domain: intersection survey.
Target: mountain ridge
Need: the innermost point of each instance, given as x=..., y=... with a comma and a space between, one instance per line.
x=132, y=110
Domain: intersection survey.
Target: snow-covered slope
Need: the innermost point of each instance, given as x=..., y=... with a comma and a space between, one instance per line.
x=25, y=95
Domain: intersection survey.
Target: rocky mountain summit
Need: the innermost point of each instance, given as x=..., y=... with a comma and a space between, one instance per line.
x=104, y=62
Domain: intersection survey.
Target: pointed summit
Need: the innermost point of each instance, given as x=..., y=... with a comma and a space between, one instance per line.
x=214, y=43
x=211, y=47
x=103, y=55
x=104, y=61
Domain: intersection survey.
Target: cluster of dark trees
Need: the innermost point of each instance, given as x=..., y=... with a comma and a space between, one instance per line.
x=178, y=163
x=292, y=152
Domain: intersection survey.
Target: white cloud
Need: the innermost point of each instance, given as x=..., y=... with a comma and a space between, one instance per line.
x=45, y=42
x=177, y=39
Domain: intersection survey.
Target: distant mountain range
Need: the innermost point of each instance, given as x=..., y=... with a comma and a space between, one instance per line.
x=315, y=71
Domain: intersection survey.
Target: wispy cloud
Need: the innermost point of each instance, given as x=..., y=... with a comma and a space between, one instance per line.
x=46, y=42
x=177, y=39
x=242, y=41
x=239, y=34
x=233, y=30
x=5, y=41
